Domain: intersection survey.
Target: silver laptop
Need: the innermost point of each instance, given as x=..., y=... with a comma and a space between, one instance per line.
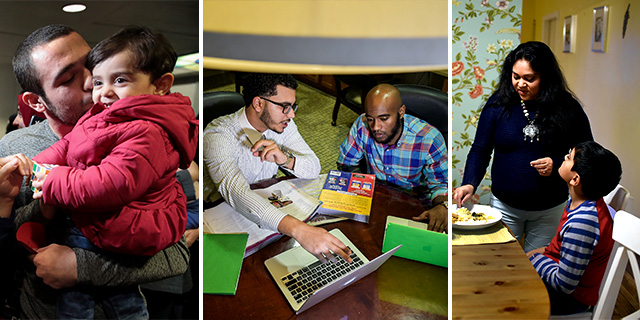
x=305, y=281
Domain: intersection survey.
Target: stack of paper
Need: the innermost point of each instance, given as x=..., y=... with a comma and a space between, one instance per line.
x=292, y=201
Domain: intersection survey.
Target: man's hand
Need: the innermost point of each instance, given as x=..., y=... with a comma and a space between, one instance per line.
x=543, y=165
x=268, y=150
x=317, y=241
x=191, y=235
x=438, y=218
x=57, y=266
x=534, y=251
x=48, y=212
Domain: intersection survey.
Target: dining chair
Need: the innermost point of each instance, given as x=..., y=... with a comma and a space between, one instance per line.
x=619, y=198
x=427, y=103
x=625, y=250
x=219, y=103
x=353, y=95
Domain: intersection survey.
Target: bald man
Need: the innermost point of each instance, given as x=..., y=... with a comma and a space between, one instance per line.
x=401, y=150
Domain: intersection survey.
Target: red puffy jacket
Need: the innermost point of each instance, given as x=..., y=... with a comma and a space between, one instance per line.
x=117, y=172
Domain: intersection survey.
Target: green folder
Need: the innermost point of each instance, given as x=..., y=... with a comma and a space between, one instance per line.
x=417, y=242
x=222, y=256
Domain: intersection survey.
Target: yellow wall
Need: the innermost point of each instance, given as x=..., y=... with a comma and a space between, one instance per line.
x=607, y=83
x=328, y=18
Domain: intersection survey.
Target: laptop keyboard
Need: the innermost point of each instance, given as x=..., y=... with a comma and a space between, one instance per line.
x=303, y=282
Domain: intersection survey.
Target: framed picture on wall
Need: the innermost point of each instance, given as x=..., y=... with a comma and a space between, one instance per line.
x=569, y=34
x=599, y=36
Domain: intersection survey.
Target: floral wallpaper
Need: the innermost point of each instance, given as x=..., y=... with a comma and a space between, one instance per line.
x=484, y=32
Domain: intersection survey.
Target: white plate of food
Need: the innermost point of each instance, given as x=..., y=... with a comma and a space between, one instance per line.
x=474, y=216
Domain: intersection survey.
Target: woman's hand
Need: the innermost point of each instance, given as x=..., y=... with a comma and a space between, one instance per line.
x=463, y=194
x=543, y=165
x=12, y=169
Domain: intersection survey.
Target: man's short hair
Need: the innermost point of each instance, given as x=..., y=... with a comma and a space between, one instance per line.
x=599, y=169
x=264, y=85
x=152, y=52
x=23, y=67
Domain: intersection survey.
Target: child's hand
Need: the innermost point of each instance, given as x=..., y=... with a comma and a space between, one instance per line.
x=534, y=251
x=191, y=235
x=37, y=184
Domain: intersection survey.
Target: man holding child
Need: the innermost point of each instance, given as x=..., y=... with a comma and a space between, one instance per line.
x=50, y=67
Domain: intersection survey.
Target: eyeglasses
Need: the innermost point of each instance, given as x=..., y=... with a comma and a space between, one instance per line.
x=286, y=107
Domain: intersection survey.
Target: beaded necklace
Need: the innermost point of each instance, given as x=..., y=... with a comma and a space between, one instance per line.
x=531, y=130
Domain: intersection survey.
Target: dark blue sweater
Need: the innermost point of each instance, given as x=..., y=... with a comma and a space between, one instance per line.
x=514, y=181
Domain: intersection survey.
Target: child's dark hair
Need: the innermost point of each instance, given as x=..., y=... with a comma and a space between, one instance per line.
x=152, y=52
x=599, y=169
x=264, y=85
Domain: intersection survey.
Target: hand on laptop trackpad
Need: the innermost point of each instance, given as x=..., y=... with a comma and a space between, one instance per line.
x=315, y=281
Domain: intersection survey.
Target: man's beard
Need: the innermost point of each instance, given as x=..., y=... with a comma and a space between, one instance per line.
x=265, y=117
x=67, y=118
x=393, y=133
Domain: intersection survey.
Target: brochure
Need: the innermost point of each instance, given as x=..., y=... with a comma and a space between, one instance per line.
x=348, y=195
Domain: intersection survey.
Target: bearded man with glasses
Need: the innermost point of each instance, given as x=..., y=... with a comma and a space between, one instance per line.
x=249, y=145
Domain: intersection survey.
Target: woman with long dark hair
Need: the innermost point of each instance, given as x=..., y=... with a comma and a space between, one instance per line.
x=529, y=123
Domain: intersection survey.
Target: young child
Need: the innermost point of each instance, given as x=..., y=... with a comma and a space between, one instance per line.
x=573, y=264
x=117, y=167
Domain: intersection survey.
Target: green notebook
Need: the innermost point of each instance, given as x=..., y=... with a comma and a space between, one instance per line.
x=222, y=256
x=417, y=242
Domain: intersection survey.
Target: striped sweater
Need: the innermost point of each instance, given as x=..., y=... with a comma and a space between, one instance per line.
x=575, y=260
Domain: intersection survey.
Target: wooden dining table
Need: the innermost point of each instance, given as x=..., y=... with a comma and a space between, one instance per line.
x=496, y=281
x=399, y=289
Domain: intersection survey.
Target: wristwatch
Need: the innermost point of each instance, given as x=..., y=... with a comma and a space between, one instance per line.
x=444, y=203
x=289, y=158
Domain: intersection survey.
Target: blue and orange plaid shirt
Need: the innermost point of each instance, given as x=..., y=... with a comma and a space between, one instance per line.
x=417, y=163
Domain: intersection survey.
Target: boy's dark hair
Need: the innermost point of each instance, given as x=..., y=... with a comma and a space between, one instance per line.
x=23, y=67
x=599, y=169
x=264, y=85
x=152, y=52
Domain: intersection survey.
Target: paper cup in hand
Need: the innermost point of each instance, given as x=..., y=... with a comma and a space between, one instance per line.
x=37, y=168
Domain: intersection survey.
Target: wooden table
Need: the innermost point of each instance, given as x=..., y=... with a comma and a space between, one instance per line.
x=400, y=289
x=496, y=281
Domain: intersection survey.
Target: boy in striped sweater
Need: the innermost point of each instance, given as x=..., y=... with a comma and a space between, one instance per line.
x=573, y=264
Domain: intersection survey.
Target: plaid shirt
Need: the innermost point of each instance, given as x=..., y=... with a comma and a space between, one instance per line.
x=416, y=163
